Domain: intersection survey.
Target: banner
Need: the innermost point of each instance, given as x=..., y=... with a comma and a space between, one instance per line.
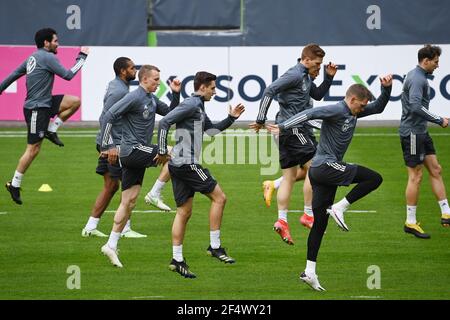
x=242, y=75
x=244, y=72
x=13, y=98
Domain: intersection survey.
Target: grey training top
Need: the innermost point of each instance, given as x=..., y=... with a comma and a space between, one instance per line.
x=191, y=122
x=137, y=109
x=338, y=126
x=294, y=89
x=415, y=104
x=309, y=125
x=116, y=90
x=40, y=69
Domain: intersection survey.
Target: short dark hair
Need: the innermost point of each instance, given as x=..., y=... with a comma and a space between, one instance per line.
x=146, y=68
x=312, y=51
x=203, y=77
x=120, y=64
x=429, y=51
x=42, y=35
x=360, y=91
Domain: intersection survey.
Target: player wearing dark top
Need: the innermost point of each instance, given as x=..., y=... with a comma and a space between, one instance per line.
x=328, y=170
x=40, y=69
x=417, y=145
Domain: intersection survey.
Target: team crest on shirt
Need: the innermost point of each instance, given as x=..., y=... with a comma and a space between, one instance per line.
x=31, y=64
x=347, y=125
x=304, y=84
x=146, y=112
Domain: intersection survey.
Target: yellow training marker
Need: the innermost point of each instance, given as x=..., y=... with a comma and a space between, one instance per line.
x=45, y=188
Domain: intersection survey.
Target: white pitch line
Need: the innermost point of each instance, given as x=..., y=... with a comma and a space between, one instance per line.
x=61, y=135
x=356, y=211
x=14, y=134
x=366, y=297
x=162, y=211
x=149, y=297
x=64, y=132
x=3, y=212
x=145, y=211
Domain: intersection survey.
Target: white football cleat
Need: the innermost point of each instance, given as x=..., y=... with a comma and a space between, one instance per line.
x=132, y=234
x=312, y=281
x=113, y=255
x=92, y=233
x=338, y=216
x=156, y=201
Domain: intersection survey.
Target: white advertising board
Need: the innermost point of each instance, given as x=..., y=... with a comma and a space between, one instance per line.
x=244, y=72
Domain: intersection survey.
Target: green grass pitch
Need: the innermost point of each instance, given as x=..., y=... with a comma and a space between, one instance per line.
x=42, y=238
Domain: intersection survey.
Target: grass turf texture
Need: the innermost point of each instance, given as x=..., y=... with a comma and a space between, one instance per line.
x=42, y=238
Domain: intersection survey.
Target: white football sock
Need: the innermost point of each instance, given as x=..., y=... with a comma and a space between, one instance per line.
x=310, y=267
x=53, y=126
x=178, y=253
x=113, y=240
x=214, y=239
x=342, y=205
x=17, y=179
x=443, y=204
x=92, y=223
x=157, y=188
x=282, y=214
x=308, y=211
x=411, y=214
x=277, y=183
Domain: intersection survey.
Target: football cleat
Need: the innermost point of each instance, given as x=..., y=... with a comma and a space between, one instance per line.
x=156, y=201
x=92, y=233
x=312, y=281
x=282, y=228
x=415, y=229
x=307, y=221
x=268, y=188
x=53, y=137
x=338, y=216
x=14, y=192
x=445, y=220
x=132, y=234
x=113, y=255
x=220, y=254
x=182, y=268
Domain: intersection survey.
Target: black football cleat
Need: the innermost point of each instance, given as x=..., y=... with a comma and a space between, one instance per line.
x=220, y=254
x=416, y=230
x=15, y=192
x=182, y=268
x=53, y=137
x=445, y=220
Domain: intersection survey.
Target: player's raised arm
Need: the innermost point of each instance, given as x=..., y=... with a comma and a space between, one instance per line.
x=16, y=74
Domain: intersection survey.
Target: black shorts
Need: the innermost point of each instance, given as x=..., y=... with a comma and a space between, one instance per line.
x=415, y=147
x=333, y=173
x=296, y=148
x=38, y=119
x=103, y=167
x=327, y=177
x=189, y=179
x=313, y=139
x=134, y=165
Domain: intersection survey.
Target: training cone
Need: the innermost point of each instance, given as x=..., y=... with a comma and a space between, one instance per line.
x=45, y=188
